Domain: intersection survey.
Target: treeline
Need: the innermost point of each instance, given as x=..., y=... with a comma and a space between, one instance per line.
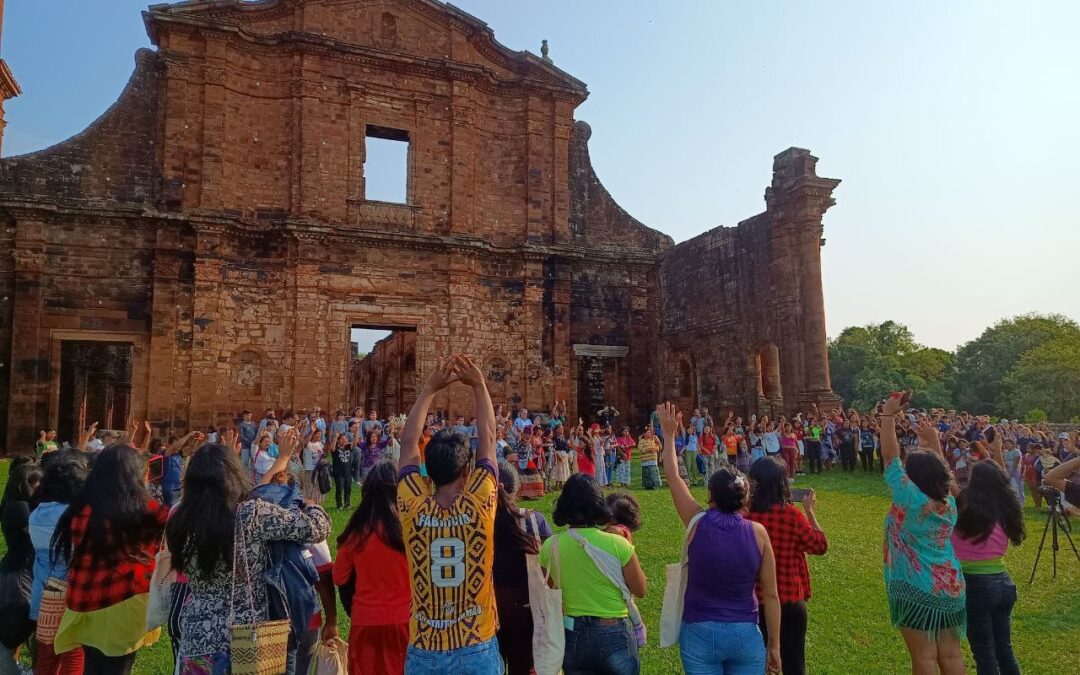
x=1026, y=367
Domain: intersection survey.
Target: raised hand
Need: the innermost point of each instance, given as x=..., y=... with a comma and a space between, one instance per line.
x=468, y=372
x=145, y=445
x=85, y=436
x=896, y=402
x=231, y=440
x=670, y=418
x=442, y=375
x=287, y=442
x=928, y=436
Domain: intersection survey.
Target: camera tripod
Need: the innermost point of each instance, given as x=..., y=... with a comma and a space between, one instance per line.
x=1056, y=520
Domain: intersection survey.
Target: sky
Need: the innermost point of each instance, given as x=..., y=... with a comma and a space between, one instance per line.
x=953, y=126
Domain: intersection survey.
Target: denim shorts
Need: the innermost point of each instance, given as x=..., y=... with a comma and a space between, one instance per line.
x=480, y=659
x=729, y=648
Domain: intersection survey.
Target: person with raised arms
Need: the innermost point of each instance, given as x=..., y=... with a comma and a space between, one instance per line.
x=448, y=525
x=720, y=631
x=923, y=579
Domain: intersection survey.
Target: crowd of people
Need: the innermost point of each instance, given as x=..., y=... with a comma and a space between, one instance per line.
x=222, y=534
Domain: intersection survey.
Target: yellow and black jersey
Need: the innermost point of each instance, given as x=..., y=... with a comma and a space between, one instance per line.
x=450, y=552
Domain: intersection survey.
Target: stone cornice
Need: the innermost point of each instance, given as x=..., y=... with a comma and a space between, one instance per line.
x=325, y=234
x=9, y=88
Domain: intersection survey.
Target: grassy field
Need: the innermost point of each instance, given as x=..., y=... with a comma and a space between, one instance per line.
x=849, y=626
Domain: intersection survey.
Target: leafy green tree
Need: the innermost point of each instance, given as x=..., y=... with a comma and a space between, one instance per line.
x=1036, y=416
x=1046, y=379
x=983, y=363
x=868, y=362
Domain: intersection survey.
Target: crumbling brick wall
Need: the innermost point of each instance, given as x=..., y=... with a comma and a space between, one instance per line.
x=216, y=219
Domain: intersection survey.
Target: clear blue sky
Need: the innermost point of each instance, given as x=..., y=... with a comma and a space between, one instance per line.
x=954, y=126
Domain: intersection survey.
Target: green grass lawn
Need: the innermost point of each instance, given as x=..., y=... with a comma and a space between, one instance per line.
x=849, y=625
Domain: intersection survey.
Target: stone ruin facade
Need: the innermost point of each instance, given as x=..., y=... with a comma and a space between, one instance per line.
x=207, y=244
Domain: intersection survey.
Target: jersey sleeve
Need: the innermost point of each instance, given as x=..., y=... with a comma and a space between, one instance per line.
x=411, y=490
x=483, y=481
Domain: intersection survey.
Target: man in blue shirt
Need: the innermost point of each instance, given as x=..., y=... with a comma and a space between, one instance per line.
x=522, y=419
x=173, y=467
x=371, y=423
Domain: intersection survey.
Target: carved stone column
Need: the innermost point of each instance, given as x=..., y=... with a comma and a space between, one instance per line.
x=797, y=201
x=27, y=409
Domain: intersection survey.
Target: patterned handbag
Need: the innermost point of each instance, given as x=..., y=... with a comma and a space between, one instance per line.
x=259, y=648
x=53, y=604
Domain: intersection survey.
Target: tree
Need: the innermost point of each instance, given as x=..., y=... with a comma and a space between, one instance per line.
x=868, y=362
x=1047, y=380
x=983, y=363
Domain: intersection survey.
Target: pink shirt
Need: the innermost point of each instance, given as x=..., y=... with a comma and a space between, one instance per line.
x=994, y=546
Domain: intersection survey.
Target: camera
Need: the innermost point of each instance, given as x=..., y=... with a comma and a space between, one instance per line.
x=1049, y=492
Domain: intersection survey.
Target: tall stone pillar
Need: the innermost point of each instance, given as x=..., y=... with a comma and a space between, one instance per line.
x=797, y=200
x=29, y=373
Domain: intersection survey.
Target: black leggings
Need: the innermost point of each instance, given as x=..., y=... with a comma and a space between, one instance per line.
x=793, y=621
x=342, y=490
x=866, y=456
x=813, y=455
x=847, y=457
x=99, y=664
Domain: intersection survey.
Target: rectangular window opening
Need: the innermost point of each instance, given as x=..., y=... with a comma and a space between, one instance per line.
x=386, y=165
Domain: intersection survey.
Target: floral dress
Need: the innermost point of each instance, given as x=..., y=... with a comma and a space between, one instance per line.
x=598, y=460
x=204, y=618
x=922, y=574
x=623, y=446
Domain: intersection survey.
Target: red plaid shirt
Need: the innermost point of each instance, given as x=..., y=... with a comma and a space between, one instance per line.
x=95, y=584
x=792, y=538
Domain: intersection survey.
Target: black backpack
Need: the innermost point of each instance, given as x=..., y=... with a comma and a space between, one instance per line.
x=322, y=477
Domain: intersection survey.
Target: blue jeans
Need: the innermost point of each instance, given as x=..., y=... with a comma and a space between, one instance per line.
x=170, y=497
x=300, y=656
x=481, y=659
x=723, y=648
x=602, y=646
x=990, y=600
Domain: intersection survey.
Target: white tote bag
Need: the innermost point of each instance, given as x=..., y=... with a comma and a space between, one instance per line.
x=161, y=583
x=549, y=636
x=675, y=592
x=332, y=658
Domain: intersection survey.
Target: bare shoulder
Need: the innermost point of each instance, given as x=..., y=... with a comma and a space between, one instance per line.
x=760, y=533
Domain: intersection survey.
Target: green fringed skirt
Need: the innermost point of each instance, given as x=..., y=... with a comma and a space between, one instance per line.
x=650, y=477
x=910, y=607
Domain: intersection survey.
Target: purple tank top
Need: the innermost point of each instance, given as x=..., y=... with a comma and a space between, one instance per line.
x=723, y=568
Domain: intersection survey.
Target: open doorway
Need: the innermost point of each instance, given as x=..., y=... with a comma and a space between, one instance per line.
x=95, y=385
x=382, y=374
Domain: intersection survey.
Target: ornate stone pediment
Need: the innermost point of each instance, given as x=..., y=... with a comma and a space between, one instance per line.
x=419, y=29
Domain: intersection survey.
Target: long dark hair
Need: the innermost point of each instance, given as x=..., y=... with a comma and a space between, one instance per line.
x=507, y=517
x=22, y=481
x=120, y=522
x=988, y=500
x=63, y=478
x=929, y=472
x=202, y=526
x=769, y=479
x=377, y=511
x=581, y=503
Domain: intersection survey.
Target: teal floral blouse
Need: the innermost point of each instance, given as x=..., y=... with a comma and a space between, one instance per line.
x=922, y=575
